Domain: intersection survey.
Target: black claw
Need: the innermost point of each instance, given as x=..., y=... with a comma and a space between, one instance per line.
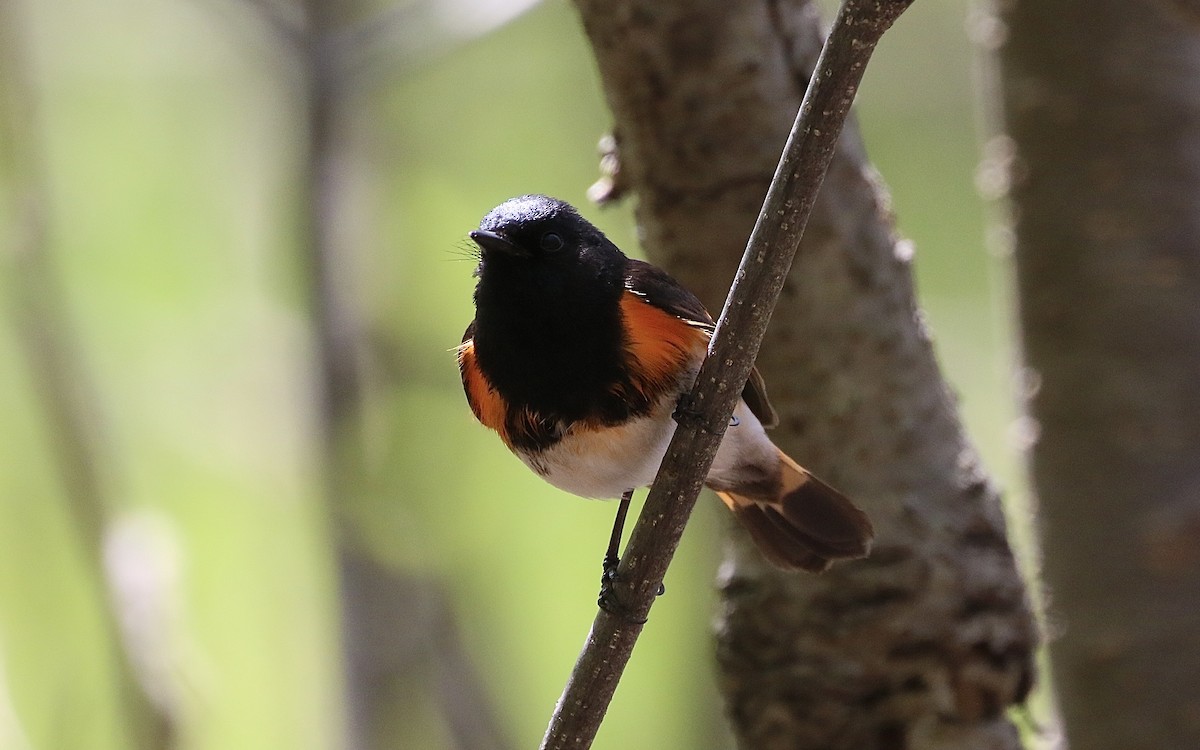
x=609, y=567
x=685, y=409
x=686, y=412
x=609, y=601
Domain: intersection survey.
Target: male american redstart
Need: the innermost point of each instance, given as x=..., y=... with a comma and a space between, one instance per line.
x=578, y=358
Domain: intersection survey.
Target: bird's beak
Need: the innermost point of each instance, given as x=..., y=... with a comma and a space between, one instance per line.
x=493, y=242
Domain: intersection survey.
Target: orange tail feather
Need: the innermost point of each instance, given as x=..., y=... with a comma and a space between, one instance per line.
x=805, y=524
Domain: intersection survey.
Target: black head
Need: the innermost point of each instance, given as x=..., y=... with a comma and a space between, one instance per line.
x=547, y=327
x=541, y=260
x=535, y=235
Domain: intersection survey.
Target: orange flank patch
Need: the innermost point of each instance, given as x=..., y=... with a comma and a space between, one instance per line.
x=488, y=405
x=660, y=344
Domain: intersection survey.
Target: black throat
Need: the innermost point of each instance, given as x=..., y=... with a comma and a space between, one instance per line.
x=550, y=340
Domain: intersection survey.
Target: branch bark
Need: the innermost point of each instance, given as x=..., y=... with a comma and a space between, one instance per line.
x=732, y=352
x=1102, y=105
x=926, y=643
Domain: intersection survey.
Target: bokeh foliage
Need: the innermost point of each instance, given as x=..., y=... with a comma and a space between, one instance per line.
x=172, y=137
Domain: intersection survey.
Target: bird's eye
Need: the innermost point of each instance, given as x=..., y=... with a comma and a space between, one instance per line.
x=551, y=242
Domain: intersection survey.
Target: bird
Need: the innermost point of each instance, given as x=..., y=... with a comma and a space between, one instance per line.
x=580, y=357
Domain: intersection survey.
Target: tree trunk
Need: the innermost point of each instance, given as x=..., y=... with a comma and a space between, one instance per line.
x=927, y=642
x=1102, y=103
x=392, y=623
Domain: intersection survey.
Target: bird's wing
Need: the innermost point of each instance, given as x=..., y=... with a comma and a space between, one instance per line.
x=659, y=289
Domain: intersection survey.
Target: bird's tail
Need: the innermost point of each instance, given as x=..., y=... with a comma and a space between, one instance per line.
x=803, y=524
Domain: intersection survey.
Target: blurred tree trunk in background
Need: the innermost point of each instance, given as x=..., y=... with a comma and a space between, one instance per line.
x=393, y=624
x=1102, y=105
x=39, y=307
x=926, y=643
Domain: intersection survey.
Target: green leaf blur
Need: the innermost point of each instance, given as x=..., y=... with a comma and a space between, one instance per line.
x=172, y=139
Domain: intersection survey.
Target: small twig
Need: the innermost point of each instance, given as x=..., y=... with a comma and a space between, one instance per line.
x=734, y=346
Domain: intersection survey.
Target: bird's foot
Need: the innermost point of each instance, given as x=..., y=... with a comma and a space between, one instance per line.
x=685, y=409
x=609, y=600
x=686, y=412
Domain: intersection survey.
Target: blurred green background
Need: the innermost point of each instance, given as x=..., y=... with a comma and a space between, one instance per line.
x=173, y=142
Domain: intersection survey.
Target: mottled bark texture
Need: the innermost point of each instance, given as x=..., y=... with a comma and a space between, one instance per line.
x=927, y=642
x=736, y=339
x=1102, y=105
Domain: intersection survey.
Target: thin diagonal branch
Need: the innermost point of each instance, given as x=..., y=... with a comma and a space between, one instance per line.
x=732, y=351
x=929, y=641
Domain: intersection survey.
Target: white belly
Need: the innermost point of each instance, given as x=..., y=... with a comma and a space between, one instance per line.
x=604, y=464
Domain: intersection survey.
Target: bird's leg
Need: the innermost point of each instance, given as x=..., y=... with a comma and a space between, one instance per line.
x=608, y=600
x=612, y=556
